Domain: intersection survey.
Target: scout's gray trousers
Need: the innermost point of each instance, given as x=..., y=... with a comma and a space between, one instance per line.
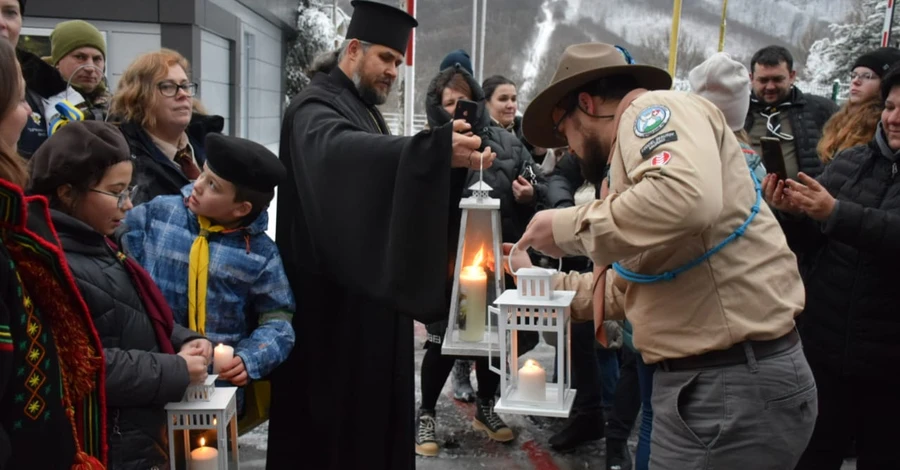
x=754, y=416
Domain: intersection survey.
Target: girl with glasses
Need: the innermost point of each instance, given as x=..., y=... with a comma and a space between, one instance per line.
x=85, y=171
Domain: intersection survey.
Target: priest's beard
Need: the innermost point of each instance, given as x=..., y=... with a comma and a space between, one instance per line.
x=366, y=88
x=593, y=162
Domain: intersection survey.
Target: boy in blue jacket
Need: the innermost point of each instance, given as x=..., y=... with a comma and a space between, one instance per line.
x=209, y=253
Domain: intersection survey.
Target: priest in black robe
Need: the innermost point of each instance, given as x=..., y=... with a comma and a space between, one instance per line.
x=363, y=231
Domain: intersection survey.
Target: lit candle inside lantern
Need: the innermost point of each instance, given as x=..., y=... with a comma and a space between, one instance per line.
x=222, y=356
x=532, y=381
x=204, y=458
x=473, y=290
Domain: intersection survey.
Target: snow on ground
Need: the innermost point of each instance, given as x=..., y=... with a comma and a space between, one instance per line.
x=464, y=448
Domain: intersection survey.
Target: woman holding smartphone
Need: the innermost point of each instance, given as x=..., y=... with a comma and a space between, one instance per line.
x=518, y=195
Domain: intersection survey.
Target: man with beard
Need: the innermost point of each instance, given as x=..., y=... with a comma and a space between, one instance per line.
x=362, y=229
x=701, y=268
x=779, y=109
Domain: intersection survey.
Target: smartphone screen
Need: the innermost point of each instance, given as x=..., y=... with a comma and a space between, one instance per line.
x=772, y=156
x=467, y=110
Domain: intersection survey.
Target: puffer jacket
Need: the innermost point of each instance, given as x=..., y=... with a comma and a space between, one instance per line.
x=512, y=158
x=156, y=175
x=140, y=380
x=808, y=115
x=850, y=324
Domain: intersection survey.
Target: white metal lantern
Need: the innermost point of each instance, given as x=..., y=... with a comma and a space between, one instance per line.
x=205, y=407
x=477, y=277
x=534, y=306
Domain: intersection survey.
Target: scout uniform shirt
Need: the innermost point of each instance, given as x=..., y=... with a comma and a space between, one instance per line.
x=679, y=185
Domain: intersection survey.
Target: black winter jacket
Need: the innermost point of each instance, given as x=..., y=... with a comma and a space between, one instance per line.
x=156, y=175
x=512, y=158
x=808, y=115
x=140, y=380
x=850, y=324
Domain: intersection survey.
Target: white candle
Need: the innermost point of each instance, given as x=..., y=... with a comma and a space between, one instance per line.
x=204, y=458
x=532, y=381
x=222, y=356
x=473, y=290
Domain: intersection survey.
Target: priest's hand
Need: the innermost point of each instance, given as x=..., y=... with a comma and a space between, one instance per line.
x=465, y=149
x=235, y=372
x=539, y=235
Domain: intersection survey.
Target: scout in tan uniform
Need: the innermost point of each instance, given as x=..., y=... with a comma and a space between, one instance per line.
x=703, y=271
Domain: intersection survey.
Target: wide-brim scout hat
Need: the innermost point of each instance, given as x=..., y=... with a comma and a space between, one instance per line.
x=582, y=64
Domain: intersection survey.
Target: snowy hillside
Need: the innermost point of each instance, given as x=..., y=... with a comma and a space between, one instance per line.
x=525, y=37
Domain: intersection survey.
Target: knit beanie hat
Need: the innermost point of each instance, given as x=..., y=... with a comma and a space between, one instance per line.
x=726, y=83
x=460, y=57
x=70, y=35
x=879, y=60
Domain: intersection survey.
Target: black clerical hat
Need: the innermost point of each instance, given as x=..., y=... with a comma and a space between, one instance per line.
x=243, y=162
x=379, y=23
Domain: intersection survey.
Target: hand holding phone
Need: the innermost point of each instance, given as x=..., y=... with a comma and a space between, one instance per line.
x=773, y=157
x=468, y=111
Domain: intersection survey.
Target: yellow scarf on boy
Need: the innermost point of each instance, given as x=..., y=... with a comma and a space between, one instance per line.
x=198, y=272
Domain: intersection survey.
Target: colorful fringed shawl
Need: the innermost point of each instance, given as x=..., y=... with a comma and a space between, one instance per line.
x=58, y=367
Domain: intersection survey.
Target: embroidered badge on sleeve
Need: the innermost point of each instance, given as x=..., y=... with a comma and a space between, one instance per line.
x=661, y=159
x=651, y=120
x=655, y=142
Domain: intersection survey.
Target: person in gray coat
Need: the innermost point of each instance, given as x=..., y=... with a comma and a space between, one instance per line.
x=85, y=171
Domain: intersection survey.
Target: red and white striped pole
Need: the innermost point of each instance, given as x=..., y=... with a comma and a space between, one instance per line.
x=409, y=78
x=888, y=23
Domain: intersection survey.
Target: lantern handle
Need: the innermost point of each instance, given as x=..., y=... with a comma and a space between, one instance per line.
x=509, y=260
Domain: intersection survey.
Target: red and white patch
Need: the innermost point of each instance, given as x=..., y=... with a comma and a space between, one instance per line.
x=661, y=159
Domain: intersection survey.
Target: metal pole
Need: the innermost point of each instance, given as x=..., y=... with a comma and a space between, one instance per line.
x=888, y=23
x=722, y=27
x=481, y=51
x=472, y=53
x=673, y=38
x=409, y=80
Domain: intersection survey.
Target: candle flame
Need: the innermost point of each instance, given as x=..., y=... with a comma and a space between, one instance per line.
x=532, y=363
x=202, y=442
x=479, y=257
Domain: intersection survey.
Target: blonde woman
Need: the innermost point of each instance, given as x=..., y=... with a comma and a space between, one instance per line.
x=165, y=132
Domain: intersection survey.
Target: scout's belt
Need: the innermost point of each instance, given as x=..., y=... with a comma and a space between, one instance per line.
x=734, y=355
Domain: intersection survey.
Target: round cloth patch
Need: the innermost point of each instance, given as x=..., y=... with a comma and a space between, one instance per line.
x=651, y=120
x=661, y=159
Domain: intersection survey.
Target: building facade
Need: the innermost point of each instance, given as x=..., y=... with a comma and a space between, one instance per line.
x=236, y=48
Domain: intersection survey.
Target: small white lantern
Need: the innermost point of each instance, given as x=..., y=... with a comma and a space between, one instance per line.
x=205, y=407
x=534, y=306
x=478, y=277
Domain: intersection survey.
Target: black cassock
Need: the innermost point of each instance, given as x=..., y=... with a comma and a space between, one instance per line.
x=363, y=230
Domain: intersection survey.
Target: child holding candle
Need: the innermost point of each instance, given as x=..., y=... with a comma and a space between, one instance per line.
x=209, y=253
x=84, y=170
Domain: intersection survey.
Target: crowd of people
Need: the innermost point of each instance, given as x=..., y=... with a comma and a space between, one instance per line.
x=739, y=300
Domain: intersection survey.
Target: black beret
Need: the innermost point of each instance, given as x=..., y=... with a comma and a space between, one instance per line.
x=74, y=153
x=379, y=23
x=243, y=162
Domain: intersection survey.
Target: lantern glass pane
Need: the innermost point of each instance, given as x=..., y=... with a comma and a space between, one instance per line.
x=477, y=277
